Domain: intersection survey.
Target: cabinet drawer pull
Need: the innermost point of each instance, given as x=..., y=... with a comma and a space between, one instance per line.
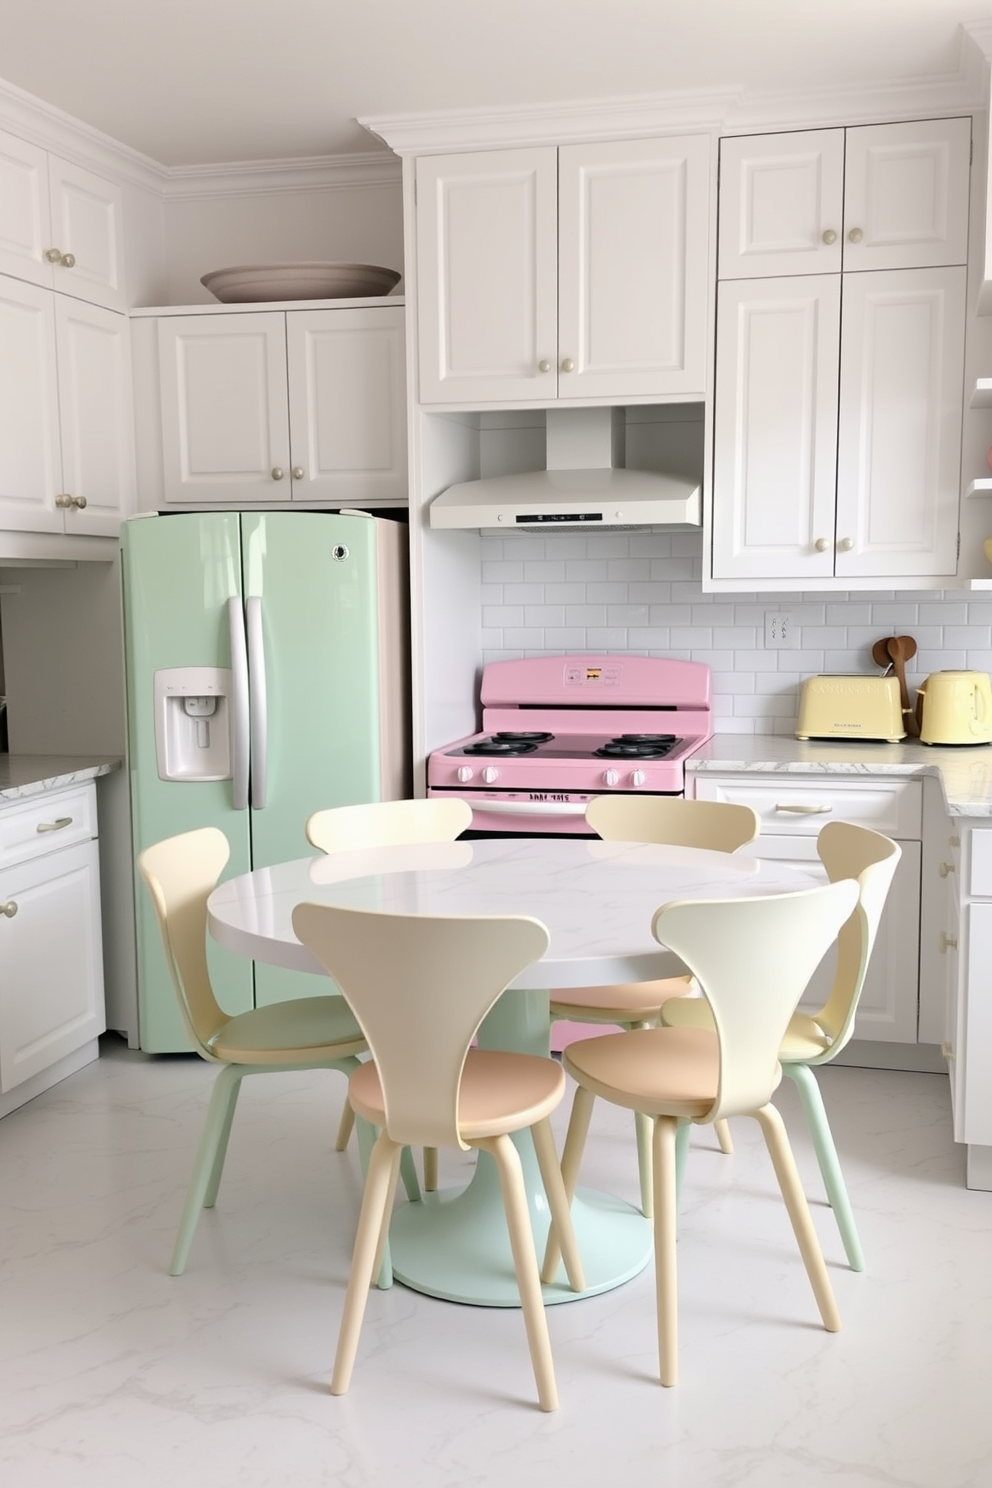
x=947, y=942
x=58, y=825
x=805, y=810
x=9, y=909
x=945, y=868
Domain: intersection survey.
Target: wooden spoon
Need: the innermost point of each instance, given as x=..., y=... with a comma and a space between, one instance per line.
x=880, y=654
x=902, y=649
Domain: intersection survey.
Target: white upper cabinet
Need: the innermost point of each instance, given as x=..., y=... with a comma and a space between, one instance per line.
x=66, y=424
x=301, y=405
x=881, y=196
x=573, y=272
x=60, y=225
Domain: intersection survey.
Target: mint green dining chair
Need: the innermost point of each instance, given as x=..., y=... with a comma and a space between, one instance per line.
x=813, y=1039
x=305, y=1033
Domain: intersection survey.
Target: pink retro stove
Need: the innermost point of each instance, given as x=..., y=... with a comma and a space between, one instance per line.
x=558, y=730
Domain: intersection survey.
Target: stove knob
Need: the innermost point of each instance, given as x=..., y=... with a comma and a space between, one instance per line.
x=637, y=777
x=611, y=777
x=464, y=773
x=489, y=774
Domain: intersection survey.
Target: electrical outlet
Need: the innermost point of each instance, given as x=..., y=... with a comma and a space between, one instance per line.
x=781, y=632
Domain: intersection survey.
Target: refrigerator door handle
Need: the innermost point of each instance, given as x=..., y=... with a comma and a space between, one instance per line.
x=239, y=704
x=258, y=708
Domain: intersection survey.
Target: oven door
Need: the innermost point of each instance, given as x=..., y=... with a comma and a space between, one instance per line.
x=526, y=813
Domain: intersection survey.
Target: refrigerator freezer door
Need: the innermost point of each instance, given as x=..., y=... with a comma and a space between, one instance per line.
x=178, y=574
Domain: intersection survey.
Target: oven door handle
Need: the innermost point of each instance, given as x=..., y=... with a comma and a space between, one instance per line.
x=529, y=808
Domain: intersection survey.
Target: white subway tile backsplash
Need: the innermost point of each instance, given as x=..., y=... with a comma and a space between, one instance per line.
x=641, y=593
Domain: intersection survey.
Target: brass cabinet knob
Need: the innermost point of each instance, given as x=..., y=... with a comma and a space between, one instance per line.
x=68, y=260
x=846, y=544
x=544, y=365
x=63, y=500
x=53, y=255
x=9, y=909
x=945, y=868
x=78, y=501
x=829, y=236
x=297, y=472
x=822, y=544
x=948, y=942
x=277, y=472
x=855, y=235
x=567, y=364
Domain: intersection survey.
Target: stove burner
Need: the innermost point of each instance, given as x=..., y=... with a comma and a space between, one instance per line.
x=523, y=736
x=497, y=745
x=637, y=746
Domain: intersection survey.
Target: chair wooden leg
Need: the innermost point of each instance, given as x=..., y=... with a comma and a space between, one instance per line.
x=525, y=1263
x=561, y=1216
x=826, y=1155
x=367, y=1135
x=784, y=1163
x=430, y=1169
x=722, y=1129
x=209, y=1160
x=377, y=1200
x=345, y=1127
x=575, y=1141
x=665, y=1264
x=643, y=1128
x=223, y=1136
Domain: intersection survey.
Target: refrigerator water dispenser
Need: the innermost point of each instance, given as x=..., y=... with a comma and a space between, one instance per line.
x=193, y=723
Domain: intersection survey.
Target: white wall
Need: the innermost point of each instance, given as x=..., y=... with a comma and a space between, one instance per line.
x=641, y=592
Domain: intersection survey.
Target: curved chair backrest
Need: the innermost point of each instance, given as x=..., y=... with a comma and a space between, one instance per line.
x=753, y=959
x=180, y=874
x=388, y=823
x=420, y=985
x=719, y=825
x=847, y=851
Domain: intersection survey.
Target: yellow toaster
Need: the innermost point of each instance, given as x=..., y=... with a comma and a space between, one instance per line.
x=851, y=707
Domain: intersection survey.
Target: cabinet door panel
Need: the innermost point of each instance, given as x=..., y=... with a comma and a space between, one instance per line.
x=902, y=350
x=347, y=404
x=633, y=237
x=779, y=194
x=25, y=233
x=225, y=414
x=94, y=369
x=30, y=458
x=87, y=222
x=51, y=962
x=487, y=275
x=906, y=194
x=973, y=1109
x=774, y=470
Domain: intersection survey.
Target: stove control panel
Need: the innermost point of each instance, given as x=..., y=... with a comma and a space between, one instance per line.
x=465, y=773
x=611, y=777
x=490, y=774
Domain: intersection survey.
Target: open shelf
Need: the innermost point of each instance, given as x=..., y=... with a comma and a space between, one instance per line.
x=981, y=396
x=981, y=487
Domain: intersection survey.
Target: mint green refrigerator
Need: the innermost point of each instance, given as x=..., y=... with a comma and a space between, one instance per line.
x=267, y=663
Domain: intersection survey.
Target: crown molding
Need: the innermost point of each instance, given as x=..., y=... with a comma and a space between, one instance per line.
x=49, y=128
x=277, y=177
x=577, y=121
x=883, y=103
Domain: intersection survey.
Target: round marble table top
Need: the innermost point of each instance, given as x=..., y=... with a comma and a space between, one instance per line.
x=597, y=899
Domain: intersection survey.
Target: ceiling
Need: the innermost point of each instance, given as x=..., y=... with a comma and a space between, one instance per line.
x=194, y=82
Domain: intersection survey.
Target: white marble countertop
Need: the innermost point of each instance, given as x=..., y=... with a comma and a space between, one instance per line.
x=965, y=773
x=23, y=775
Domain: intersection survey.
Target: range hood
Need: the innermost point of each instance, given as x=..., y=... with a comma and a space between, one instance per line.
x=585, y=486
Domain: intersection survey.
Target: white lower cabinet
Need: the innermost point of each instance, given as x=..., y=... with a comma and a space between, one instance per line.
x=51, y=956
x=792, y=811
x=967, y=942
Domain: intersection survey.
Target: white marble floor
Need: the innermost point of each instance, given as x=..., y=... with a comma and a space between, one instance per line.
x=115, y=1375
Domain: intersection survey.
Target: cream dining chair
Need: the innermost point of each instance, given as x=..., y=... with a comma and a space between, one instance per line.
x=306, y=1033
x=811, y=1039
x=721, y=826
x=420, y=986
x=388, y=824
x=752, y=958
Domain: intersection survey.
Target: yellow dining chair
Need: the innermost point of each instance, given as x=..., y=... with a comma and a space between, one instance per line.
x=420, y=986
x=307, y=1033
x=752, y=958
x=718, y=825
x=387, y=824
x=846, y=851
